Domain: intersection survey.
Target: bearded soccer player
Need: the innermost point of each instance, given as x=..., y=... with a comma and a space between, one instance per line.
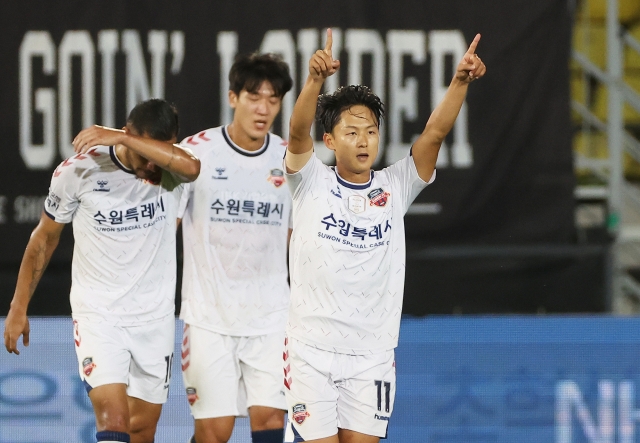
x=235, y=294
x=121, y=192
x=347, y=257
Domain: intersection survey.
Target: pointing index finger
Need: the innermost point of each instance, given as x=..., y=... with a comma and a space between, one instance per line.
x=473, y=45
x=327, y=46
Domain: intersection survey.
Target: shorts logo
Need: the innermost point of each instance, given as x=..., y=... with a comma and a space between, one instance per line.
x=192, y=395
x=300, y=413
x=276, y=177
x=378, y=197
x=88, y=365
x=381, y=417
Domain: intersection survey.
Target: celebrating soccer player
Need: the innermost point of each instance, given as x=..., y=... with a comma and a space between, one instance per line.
x=121, y=192
x=348, y=254
x=235, y=292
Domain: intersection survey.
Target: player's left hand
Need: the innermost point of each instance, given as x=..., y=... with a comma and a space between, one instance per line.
x=471, y=66
x=15, y=325
x=97, y=136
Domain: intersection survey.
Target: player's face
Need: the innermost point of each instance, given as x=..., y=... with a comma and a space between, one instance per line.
x=355, y=140
x=143, y=168
x=255, y=111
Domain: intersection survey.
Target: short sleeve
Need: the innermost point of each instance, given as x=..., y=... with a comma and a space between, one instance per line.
x=404, y=175
x=62, y=201
x=184, y=199
x=299, y=182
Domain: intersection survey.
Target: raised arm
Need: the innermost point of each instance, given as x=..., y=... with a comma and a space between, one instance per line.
x=42, y=243
x=169, y=156
x=321, y=66
x=426, y=147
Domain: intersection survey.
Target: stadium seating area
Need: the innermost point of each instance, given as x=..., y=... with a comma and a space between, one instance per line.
x=589, y=39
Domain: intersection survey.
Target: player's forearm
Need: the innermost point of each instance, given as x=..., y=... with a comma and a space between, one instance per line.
x=444, y=115
x=303, y=116
x=34, y=262
x=168, y=156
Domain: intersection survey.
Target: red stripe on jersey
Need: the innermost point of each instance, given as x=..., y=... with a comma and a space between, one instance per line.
x=191, y=141
x=203, y=137
x=185, y=366
x=93, y=152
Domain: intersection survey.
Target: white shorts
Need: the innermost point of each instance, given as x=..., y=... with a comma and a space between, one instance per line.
x=224, y=375
x=326, y=391
x=138, y=356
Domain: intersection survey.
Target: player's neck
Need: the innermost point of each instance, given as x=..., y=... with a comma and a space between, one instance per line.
x=242, y=139
x=353, y=177
x=121, y=154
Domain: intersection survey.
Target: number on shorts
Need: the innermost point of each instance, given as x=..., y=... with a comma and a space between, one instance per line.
x=169, y=360
x=387, y=392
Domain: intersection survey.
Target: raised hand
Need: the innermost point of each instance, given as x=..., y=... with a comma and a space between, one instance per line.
x=96, y=135
x=322, y=64
x=471, y=67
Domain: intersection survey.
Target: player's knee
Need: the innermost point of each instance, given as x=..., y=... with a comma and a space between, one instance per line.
x=113, y=421
x=142, y=431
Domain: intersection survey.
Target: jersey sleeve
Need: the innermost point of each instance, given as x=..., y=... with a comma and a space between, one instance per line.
x=62, y=201
x=184, y=199
x=404, y=175
x=301, y=182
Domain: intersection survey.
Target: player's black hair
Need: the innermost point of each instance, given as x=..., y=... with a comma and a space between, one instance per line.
x=331, y=106
x=250, y=70
x=156, y=118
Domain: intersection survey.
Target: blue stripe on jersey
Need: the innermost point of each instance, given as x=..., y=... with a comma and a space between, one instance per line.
x=87, y=386
x=241, y=151
x=49, y=215
x=116, y=160
x=350, y=185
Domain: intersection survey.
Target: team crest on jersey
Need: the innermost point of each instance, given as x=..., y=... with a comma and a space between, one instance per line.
x=102, y=186
x=220, y=175
x=300, y=413
x=88, y=365
x=276, y=177
x=378, y=197
x=356, y=203
x=192, y=395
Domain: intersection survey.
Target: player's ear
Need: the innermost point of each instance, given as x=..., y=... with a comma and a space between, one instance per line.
x=233, y=99
x=328, y=141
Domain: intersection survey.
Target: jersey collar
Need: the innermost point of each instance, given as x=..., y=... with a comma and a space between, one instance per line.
x=241, y=151
x=350, y=185
x=116, y=160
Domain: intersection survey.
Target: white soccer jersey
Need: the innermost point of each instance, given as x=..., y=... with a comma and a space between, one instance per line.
x=347, y=258
x=235, y=225
x=124, y=258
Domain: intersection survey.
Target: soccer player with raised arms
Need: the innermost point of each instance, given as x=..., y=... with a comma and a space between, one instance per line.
x=235, y=225
x=121, y=192
x=347, y=257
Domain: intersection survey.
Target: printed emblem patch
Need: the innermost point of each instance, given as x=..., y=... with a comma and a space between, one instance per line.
x=300, y=413
x=88, y=365
x=192, y=395
x=356, y=203
x=276, y=177
x=378, y=197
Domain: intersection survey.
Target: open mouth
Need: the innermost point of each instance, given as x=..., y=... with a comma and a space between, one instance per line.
x=362, y=157
x=261, y=124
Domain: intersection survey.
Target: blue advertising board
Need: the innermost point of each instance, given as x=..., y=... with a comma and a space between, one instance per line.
x=460, y=380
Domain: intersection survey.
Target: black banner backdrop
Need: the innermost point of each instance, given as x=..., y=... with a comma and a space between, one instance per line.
x=504, y=177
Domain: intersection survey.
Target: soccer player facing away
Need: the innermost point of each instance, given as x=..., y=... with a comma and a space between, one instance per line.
x=235, y=292
x=121, y=192
x=347, y=257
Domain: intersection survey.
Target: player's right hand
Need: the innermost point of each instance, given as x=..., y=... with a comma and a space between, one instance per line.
x=15, y=325
x=322, y=64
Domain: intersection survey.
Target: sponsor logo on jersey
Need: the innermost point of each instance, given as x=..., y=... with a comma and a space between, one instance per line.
x=220, y=171
x=300, y=413
x=192, y=395
x=88, y=365
x=276, y=177
x=356, y=203
x=378, y=197
x=101, y=186
x=337, y=192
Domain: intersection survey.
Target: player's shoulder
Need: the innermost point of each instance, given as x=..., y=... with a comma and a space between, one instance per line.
x=203, y=140
x=81, y=165
x=277, y=144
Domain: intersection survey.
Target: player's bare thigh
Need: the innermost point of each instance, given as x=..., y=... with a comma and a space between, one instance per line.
x=143, y=418
x=347, y=436
x=263, y=418
x=214, y=430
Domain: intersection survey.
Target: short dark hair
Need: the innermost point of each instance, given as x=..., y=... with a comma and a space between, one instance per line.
x=155, y=118
x=250, y=70
x=331, y=106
